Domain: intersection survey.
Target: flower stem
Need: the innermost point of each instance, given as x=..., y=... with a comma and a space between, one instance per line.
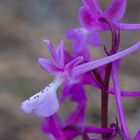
x=104, y=99
x=105, y=95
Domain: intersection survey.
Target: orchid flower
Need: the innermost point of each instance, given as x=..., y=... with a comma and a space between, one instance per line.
x=69, y=73
x=74, y=126
x=91, y=14
x=93, y=21
x=72, y=72
x=62, y=72
x=68, y=130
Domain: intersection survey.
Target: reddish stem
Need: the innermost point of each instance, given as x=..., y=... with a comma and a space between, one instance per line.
x=104, y=99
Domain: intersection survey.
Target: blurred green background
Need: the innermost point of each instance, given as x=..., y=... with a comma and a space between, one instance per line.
x=23, y=26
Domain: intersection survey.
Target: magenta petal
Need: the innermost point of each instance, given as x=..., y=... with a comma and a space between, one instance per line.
x=76, y=92
x=53, y=126
x=75, y=33
x=127, y=26
x=119, y=103
x=84, y=36
x=86, y=18
x=47, y=65
x=94, y=39
x=80, y=35
x=51, y=49
x=82, y=51
x=89, y=79
x=65, y=91
x=83, y=68
x=116, y=9
x=71, y=65
x=91, y=21
x=77, y=117
x=71, y=132
x=93, y=5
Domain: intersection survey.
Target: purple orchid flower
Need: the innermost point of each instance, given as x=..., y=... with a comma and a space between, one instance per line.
x=93, y=21
x=68, y=130
x=91, y=14
x=72, y=72
x=47, y=98
x=61, y=68
x=64, y=72
x=74, y=126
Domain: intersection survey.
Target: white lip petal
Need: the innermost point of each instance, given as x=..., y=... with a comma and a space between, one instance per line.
x=48, y=106
x=26, y=107
x=44, y=103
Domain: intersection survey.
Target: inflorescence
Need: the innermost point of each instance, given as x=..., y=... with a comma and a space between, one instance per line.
x=72, y=72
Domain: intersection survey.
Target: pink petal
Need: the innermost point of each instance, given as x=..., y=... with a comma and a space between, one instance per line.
x=86, y=18
x=94, y=39
x=66, y=91
x=80, y=34
x=80, y=49
x=71, y=65
x=78, y=115
x=48, y=66
x=83, y=38
x=91, y=21
x=60, y=54
x=52, y=124
x=76, y=92
x=116, y=10
x=51, y=49
x=89, y=79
